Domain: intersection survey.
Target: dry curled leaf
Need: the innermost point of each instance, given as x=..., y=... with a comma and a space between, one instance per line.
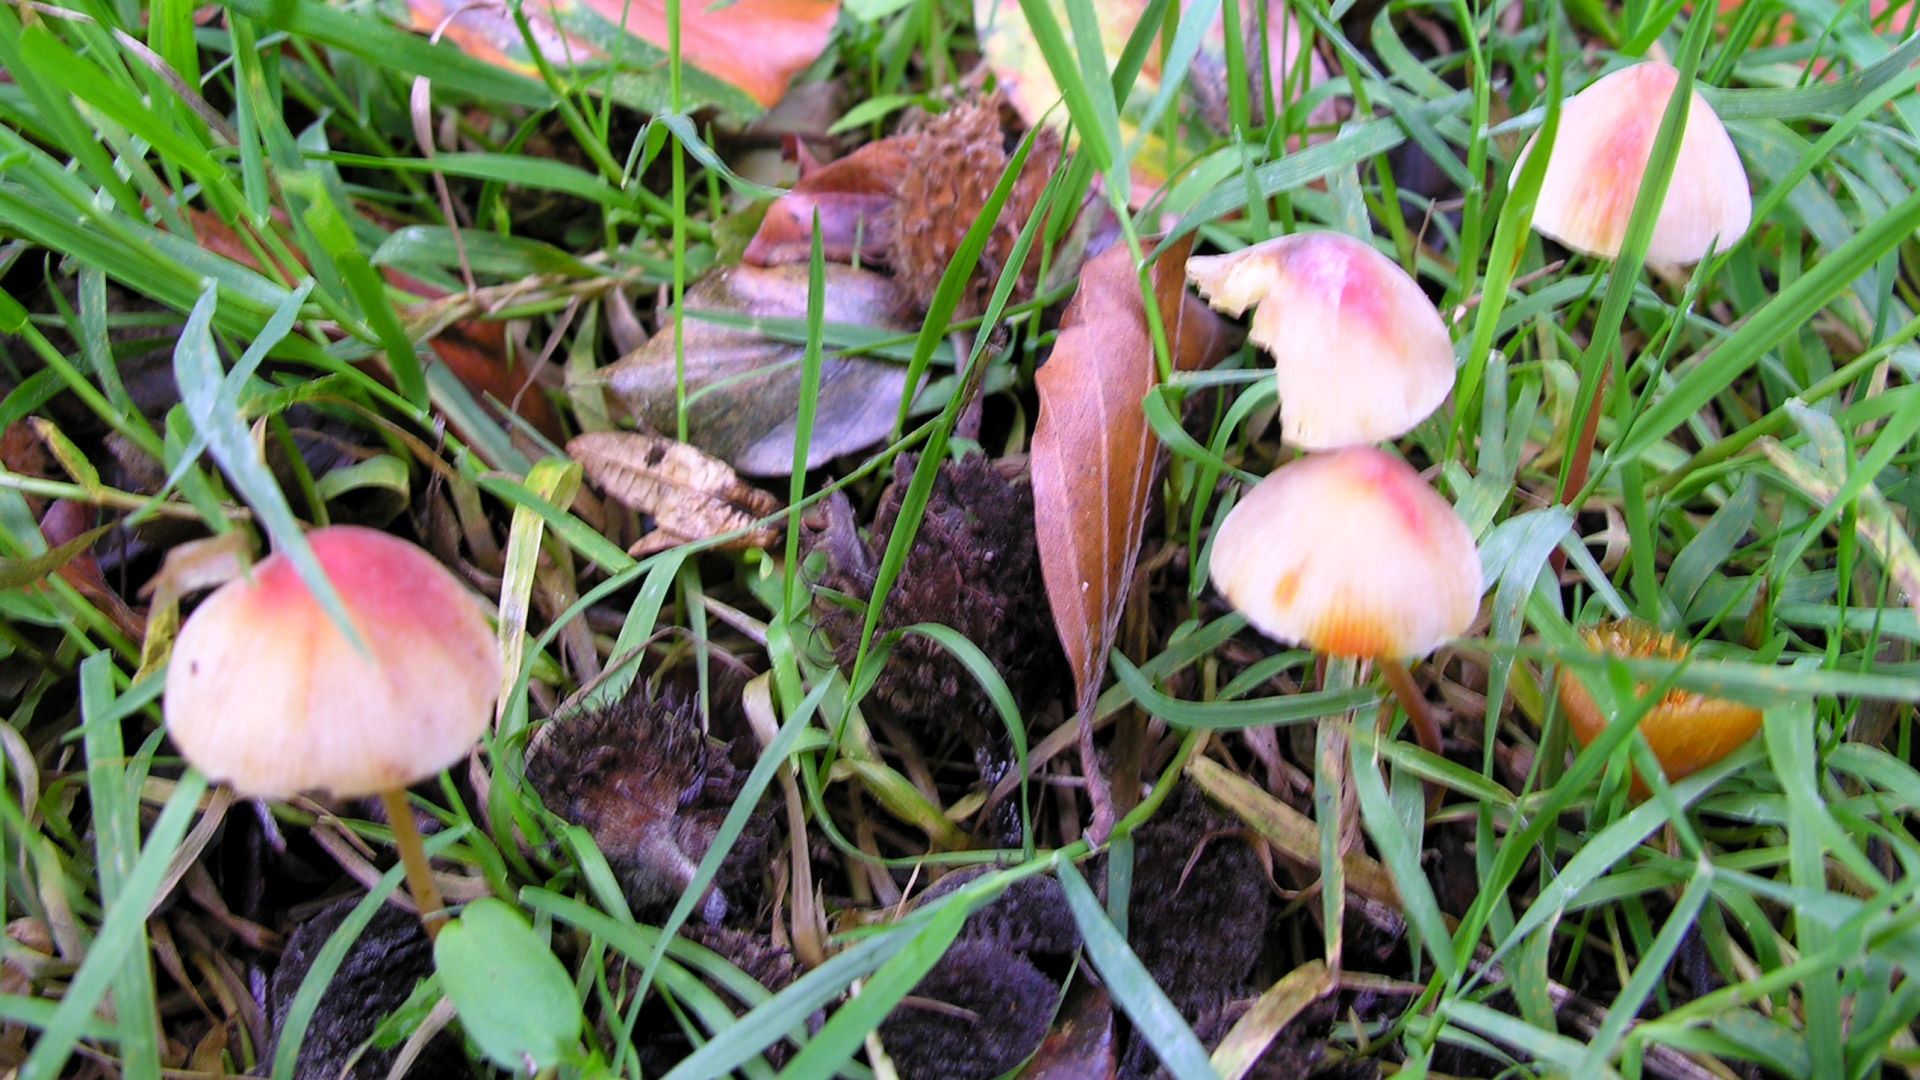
x=69, y=530
x=1093, y=451
x=689, y=495
x=854, y=198
x=743, y=387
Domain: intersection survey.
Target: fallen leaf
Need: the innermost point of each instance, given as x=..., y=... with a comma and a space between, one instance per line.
x=1094, y=454
x=755, y=45
x=689, y=495
x=1080, y=1046
x=853, y=196
x=720, y=65
x=743, y=387
x=70, y=533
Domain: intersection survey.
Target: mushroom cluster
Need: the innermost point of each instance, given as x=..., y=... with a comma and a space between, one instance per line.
x=1345, y=550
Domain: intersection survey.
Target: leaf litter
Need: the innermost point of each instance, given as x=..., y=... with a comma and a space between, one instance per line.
x=1070, y=513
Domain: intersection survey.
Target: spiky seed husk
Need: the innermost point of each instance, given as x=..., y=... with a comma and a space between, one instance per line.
x=652, y=788
x=1197, y=913
x=1009, y=1002
x=378, y=974
x=955, y=159
x=975, y=567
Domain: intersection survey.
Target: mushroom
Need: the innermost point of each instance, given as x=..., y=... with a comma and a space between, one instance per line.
x=1351, y=554
x=1360, y=353
x=1606, y=137
x=265, y=693
x=1686, y=731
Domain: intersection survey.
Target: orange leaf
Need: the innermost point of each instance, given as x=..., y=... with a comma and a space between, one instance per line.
x=756, y=45
x=1094, y=454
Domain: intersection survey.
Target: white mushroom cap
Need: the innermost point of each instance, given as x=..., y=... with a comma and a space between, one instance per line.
x=264, y=692
x=1349, y=553
x=1359, y=350
x=1605, y=139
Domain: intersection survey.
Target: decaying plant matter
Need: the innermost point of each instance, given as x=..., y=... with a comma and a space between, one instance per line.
x=973, y=567
x=1011, y=677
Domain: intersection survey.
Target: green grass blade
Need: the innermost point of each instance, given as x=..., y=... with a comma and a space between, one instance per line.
x=121, y=933
x=196, y=368
x=1133, y=990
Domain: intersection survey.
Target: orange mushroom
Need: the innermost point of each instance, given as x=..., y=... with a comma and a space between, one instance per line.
x=1686, y=731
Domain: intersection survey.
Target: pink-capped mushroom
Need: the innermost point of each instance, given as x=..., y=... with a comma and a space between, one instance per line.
x=1351, y=554
x=265, y=693
x=1601, y=154
x=1358, y=349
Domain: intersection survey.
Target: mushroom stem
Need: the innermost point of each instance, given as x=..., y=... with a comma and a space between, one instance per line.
x=1582, y=459
x=1425, y=728
x=426, y=895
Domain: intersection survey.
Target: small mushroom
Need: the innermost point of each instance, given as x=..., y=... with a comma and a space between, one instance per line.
x=265, y=693
x=1686, y=731
x=1350, y=553
x=1360, y=353
x=1606, y=138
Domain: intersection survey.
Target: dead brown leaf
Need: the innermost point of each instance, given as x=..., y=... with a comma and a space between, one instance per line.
x=853, y=197
x=66, y=521
x=1094, y=457
x=689, y=495
x=1093, y=452
x=743, y=388
x=1080, y=1046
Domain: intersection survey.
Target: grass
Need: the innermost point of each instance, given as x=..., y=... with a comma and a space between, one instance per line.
x=1752, y=491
